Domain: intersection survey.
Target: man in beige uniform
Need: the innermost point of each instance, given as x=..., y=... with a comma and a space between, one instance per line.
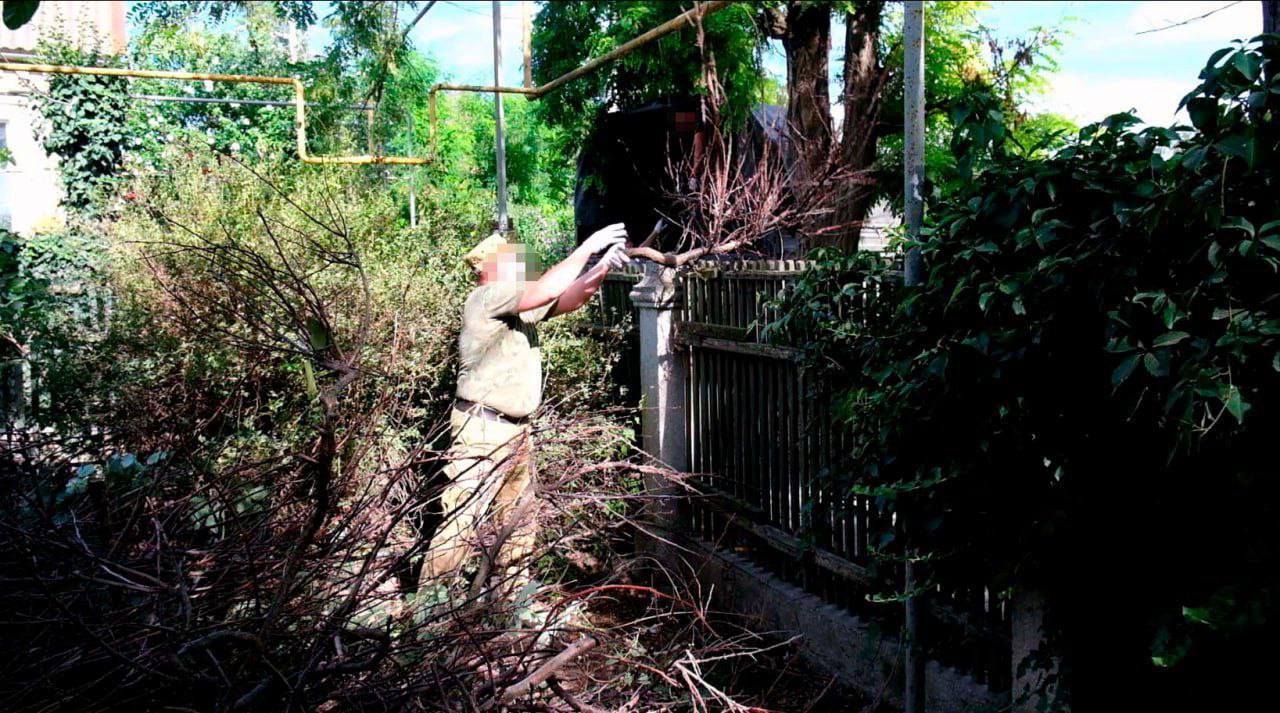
x=499, y=386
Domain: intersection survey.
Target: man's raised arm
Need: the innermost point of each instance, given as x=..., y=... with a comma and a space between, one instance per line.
x=581, y=290
x=552, y=285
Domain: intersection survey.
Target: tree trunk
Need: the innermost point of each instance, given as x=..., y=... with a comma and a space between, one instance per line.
x=807, y=40
x=863, y=85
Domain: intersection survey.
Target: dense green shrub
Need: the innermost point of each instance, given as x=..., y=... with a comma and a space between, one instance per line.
x=1083, y=394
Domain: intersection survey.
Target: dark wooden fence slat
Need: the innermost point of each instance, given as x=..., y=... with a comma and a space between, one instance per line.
x=764, y=446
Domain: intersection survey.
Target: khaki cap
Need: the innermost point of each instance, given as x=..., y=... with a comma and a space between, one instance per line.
x=484, y=250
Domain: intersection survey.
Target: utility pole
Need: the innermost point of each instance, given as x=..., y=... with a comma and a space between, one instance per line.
x=913, y=113
x=526, y=30
x=913, y=162
x=413, y=183
x=413, y=176
x=501, y=146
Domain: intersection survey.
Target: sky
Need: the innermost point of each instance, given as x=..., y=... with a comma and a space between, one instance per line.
x=1105, y=65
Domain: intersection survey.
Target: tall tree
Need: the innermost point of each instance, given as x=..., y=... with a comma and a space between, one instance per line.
x=864, y=80
x=961, y=58
x=805, y=31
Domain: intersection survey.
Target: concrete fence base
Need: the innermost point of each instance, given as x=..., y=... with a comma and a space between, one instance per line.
x=859, y=655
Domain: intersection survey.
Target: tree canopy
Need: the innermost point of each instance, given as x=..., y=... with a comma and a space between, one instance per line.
x=567, y=34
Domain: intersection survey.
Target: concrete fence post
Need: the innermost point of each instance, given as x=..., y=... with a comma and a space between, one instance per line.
x=1029, y=642
x=663, y=382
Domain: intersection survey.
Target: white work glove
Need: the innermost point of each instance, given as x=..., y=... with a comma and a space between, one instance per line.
x=605, y=238
x=615, y=258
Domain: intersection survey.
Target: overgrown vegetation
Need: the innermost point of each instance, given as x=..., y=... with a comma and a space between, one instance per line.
x=1080, y=397
x=217, y=498
x=228, y=376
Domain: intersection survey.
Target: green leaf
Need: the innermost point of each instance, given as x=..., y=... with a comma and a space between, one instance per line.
x=1240, y=146
x=1217, y=57
x=1126, y=368
x=309, y=380
x=1170, y=338
x=1152, y=363
x=1197, y=615
x=1236, y=406
x=1193, y=158
x=1240, y=223
x=19, y=12
x=1248, y=64
x=1204, y=113
x=319, y=336
x=1169, y=315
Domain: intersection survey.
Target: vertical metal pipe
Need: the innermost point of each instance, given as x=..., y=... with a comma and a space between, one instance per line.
x=500, y=141
x=913, y=162
x=413, y=175
x=913, y=113
x=914, y=656
x=526, y=30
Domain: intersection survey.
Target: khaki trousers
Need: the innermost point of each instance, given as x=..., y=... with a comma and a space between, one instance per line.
x=490, y=464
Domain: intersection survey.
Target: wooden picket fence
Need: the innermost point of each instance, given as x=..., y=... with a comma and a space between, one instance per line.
x=762, y=443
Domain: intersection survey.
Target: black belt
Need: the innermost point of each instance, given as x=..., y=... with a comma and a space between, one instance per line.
x=488, y=414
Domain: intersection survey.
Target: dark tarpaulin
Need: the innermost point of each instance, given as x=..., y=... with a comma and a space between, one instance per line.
x=625, y=171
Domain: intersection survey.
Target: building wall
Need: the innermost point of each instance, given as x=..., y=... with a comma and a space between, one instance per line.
x=879, y=226
x=29, y=190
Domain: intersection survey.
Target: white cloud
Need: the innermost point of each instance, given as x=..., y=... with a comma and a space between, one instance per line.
x=1087, y=98
x=1108, y=67
x=460, y=37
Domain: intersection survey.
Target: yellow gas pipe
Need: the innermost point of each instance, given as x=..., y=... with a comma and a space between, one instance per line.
x=689, y=17
x=299, y=102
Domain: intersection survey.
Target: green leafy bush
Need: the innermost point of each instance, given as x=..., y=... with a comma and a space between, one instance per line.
x=85, y=125
x=1083, y=394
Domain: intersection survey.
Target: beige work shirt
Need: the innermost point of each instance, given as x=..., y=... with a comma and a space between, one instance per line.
x=500, y=362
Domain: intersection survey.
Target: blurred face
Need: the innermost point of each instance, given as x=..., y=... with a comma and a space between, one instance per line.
x=511, y=263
